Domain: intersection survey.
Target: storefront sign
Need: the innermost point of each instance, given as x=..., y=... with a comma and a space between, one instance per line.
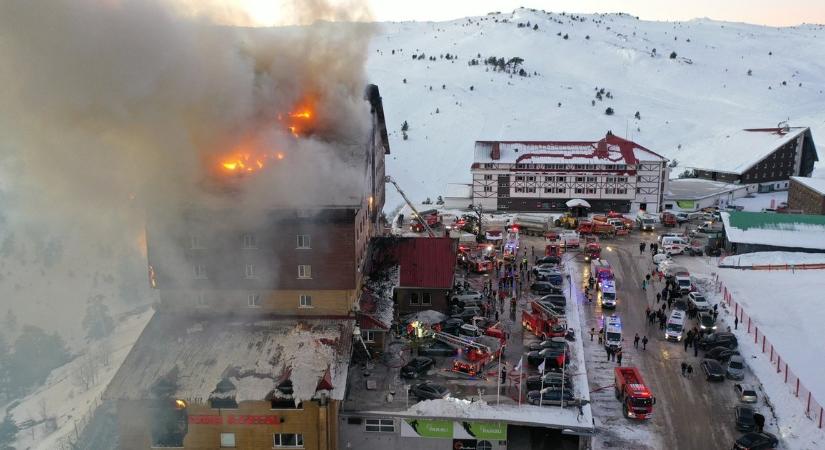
x=493, y=431
x=235, y=420
x=427, y=428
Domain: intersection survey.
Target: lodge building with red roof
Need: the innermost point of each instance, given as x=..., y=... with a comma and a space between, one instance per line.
x=611, y=173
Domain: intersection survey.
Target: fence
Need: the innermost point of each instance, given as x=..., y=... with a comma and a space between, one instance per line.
x=813, y=408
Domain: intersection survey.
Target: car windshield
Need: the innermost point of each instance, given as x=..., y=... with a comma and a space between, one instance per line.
x=641, y=402
x=735, y=365
x=684, y=283
x=609, y=296
x=675, y=327
x=613, y=336
x=648, y=221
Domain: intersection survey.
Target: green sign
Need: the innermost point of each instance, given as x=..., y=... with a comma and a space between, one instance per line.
x=686, y=204
x=427, y=428
x=492, y=431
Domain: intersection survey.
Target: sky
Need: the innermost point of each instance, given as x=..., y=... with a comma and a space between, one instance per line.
x=765, y=12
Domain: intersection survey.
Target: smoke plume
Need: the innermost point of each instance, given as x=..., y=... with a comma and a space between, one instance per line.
x=110, y=107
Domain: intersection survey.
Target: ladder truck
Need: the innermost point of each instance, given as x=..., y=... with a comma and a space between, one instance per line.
x=422, y=220
x=474, y=355
x=630, y=389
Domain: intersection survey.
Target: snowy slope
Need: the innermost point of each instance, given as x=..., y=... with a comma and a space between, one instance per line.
x=704, y=92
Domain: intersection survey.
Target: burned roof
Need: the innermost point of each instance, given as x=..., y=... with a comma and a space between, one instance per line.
x=199, y=359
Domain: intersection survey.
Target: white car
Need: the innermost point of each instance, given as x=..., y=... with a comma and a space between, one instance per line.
x=664, y=235
x=746, y=393
x=465, y=295
x=675, y=248
x=699, y=301
x=661, y=256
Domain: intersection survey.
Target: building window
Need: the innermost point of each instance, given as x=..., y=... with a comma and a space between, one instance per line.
x=579, y=191
x=621, y=191
x=590, y=190
x=304, y=241
x=530, y=190
x=200, y=299
x=414, y=299
x=548, y=190
x=519, y=177
x=305, y=301
x=304, y=271
x=580, y=179
x=488, y=189
x=284, y=403
x=200, y=271
x=621, y=179
x=426, y=299
x=380, y=425
x=488, y=177
x=253, y=300
x=368, y=336
x=250, y=241
x=488, y=166
x=531, y=178
x=549, y=179
x=288, y=440
x=249, y=271
x=227, y=440
x=195, y=242
x=609, y=190
x=519, y=190
x=591, y=179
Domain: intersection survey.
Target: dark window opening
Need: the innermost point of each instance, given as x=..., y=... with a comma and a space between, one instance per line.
x=354, y=421
x=284, y=403
x=169, y=423
x=223, y=403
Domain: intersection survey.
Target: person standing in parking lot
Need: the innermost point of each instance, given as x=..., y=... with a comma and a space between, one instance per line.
x=644, y=343
x=641, y=248
x=619, y=357
x=636, y=341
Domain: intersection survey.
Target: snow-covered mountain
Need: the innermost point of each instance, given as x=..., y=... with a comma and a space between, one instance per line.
x=722, y=77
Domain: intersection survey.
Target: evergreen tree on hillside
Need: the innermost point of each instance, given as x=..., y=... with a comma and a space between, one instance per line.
x=609, y=111
x=8, y=431
x=97, y=322
x=673, y=55
x=36, y=354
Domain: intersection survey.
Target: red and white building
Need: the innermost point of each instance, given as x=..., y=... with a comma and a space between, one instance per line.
x=610, y=174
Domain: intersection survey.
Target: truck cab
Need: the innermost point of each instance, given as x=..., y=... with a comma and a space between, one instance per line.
x=675, y=327
x=630, y=389
x=646, y=223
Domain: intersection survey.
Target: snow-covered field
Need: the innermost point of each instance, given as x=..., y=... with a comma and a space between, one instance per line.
x=787, y=308
x=758, y=202
x=73, y=391
x=704, y=92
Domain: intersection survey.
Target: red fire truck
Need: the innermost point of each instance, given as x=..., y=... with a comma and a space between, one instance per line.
x=630, y=389
x=542, y=321
x=593, y=250
x=555, y=249
x=473, y=354
x=478, y=258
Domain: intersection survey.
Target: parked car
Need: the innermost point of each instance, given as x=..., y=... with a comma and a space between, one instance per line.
x=544, y=287
x=699, y=301
x=706, y=322
x=557, y=342
x=549, y=396
x=671, y=234
x=735, y=368
x=746, y=393
x=465, y=295
x=681, y=217
x=467, y=314
x=721, y=354
x=451, y=326
x=552, y=357
x=417, y=367
x=721, y=339
x=429, y=391
x=550, y=277
x=437, y=349
x=661, y=256
x=744, y=418
x=555, y=299
x=546, y=267
x=551, y=380
x=548, y=260
x=675, y=248
x=469, y=330
x=756, y=441
x=713, y=370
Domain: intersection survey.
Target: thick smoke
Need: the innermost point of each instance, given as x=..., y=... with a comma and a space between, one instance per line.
x=113, y=107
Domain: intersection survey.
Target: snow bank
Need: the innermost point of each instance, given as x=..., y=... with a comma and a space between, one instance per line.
x=748, y=260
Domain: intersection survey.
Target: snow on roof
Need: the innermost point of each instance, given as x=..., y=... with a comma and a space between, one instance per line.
x=609, y=150
x=255, y=356
x=814, y=184
x=738, y=151
x=779, y=230
x=748, y=260
x=697, y=188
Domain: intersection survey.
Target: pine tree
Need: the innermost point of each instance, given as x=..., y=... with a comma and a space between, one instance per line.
x=609, y=111
x=638, y=116
x=673, y=55
x=97, y=322
x=8, y=431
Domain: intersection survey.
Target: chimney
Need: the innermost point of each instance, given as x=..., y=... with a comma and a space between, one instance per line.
x=495, y=153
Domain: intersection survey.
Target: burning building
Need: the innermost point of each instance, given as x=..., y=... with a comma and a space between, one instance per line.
x=252, y=339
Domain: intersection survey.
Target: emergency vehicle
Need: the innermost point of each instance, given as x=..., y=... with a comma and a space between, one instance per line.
x=473, y=354
x=600, y=270
x=541, y=320
x=613, y=332
x=630, y=389
x=675, y=326
x=607, y=293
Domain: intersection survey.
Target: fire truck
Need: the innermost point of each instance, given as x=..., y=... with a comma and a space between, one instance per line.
x=592, y=250
x=630, y=389
x=554, y=249
x=542, y=321
x=430, y=216
x=474, y=354
x=600, y=270
x=511, y=243
x=478, y=258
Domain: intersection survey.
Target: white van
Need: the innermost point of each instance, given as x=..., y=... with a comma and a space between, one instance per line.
x=675, y=327
x=607, y=294
x=613, y=332
x=669, y=240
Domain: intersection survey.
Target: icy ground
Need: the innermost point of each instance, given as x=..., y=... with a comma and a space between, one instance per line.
x=704, y=91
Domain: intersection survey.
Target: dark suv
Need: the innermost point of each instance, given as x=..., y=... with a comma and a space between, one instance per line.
x=718, y=340
x=417, y=367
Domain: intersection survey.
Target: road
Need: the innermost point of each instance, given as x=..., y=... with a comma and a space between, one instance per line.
x=690, y=413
